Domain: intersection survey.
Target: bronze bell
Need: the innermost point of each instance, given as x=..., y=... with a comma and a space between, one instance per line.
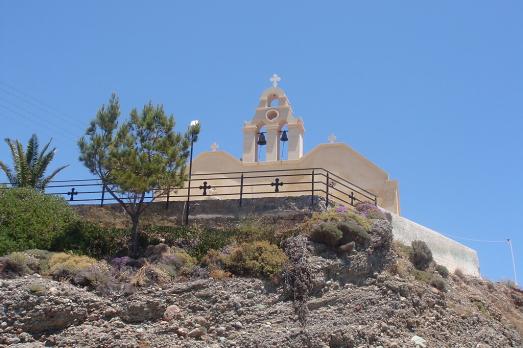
x=261, y=139
x=284, y=136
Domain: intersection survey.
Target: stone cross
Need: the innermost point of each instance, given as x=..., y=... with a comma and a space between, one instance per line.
x=332, y=139
x=72, y=193
x=214, y=147
x=277, y=184
x=204, y=187
x=275, y=79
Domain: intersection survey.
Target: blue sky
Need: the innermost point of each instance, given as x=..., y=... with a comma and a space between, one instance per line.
x=432, y=92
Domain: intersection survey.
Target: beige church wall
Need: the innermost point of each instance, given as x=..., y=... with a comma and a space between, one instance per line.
x=445, y=251
x=337, y=158
x=350, y=165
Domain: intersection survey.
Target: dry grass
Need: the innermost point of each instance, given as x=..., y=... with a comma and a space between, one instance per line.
x=150, y=274
x=69, y=262
x=218, y=274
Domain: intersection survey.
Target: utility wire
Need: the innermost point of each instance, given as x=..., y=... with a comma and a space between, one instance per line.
x=509, y=243
x=48, y=121
x=17, y=93
x=31, y=121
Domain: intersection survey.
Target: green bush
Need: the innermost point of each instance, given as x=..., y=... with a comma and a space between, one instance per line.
x=197, y=240
x=442, y=270
x=420, y=256
x=259, y=259
x=327, y=233
x=353, y=232
x=179, y=262
x=30, y=219
x=438, y=282
x=90, y=239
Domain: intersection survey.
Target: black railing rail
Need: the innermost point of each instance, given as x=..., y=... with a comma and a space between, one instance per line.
x=314, y=182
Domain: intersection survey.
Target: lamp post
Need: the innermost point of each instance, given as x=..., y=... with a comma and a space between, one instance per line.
x=194, y=124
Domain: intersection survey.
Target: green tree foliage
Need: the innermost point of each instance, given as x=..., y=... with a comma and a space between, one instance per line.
x=30, y=219
x=29, y=165
x=140, y=155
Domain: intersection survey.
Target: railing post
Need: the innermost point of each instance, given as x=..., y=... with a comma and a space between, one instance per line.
x=103, y=195
x=375, y=200
x=241, y=189
x=312, y=191
x=327, y=191
x=168, y=198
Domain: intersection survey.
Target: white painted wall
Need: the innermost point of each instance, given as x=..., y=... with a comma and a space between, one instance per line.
x=445, y=251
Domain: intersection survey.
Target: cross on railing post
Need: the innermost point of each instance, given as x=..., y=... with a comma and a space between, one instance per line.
x=277, y=184
x=351, y=196
x=204, y=187
x=72, y=193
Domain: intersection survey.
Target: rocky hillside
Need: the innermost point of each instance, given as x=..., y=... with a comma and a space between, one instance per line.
x=341, y=286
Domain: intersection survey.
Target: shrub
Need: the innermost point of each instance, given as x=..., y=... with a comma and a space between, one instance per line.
x=259, y=258
x=19, y=263
x=96, y=276
x=422, y=276
x=30, y=219
x=459, y=273
x=90, y=239
x=197, y=240
x=421, y=256
x=62, y=265
x=250, y=230
x=442, y=270
x=438, y=282
x=150, y=274
x=37, y=289
x=326, y=233
x=353, y=232
x=213, y=260
x=178, y=262
x=370, y=211
x=219, y=274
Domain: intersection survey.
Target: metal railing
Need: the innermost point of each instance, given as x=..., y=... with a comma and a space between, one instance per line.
x=313, y=182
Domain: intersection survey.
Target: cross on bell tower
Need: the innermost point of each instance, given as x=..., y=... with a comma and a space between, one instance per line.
x=275, y=79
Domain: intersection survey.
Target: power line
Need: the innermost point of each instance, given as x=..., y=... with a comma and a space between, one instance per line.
x=509, y=243
x=17, y=93
x=31, y=122
x=49, y=121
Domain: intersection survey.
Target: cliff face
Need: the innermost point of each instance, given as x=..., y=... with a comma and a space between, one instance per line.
x=385, y=306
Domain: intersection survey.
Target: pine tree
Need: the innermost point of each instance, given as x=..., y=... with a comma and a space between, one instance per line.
x=142, y=155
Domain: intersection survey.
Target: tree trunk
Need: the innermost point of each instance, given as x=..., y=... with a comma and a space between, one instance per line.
x=134, y=237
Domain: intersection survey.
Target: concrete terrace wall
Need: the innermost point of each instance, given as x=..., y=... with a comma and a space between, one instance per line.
x=445, y=251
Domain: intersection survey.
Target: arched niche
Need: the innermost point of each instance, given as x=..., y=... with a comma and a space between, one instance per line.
x=261, y=150
x=284, y=145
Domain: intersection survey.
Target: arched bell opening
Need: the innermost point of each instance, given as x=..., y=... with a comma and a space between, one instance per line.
x=283, y=142
x=273, y=101
x=261, y=144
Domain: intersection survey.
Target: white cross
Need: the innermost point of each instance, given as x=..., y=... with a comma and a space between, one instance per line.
x=214, y=147
x=332, y=139
x=275, y=79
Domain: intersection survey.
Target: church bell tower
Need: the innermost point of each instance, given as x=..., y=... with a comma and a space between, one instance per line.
x=266, y=131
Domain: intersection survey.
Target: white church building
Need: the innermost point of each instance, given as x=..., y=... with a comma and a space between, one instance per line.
x=274, y=164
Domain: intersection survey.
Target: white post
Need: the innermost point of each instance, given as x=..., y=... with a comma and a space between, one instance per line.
x=513, y=261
